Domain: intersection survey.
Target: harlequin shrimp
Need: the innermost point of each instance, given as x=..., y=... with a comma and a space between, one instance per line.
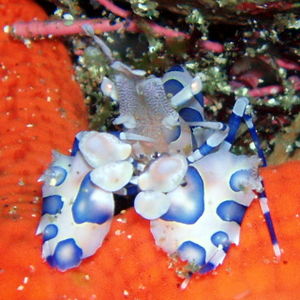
x=176, y=164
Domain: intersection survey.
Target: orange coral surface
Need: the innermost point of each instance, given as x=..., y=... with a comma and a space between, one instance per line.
x=41, y=108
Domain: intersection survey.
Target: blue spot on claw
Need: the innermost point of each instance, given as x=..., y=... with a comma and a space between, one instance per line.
x=239, y=179
x=52, y=205
x=50, y=232
x=192, y=252
x=221, y=238
x=231, y=211
x=67, y=255
x=190, y=209
x=88, y=205
x=59, y=174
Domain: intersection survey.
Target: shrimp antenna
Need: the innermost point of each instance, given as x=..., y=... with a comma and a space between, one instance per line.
x=88, y=29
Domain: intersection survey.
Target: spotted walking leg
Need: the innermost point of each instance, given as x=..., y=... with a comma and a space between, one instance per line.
x=239, y=115
x=216, y=197
x=224, y=133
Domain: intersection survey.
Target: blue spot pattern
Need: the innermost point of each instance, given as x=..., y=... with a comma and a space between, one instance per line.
x=132, y=189
x=86, y=208
x=207, y=268
x=205, y=149
x=59, y=173
x=190, y=115
x=177, y=68
x=52, y=205
x=231, y=211
x=189, y=247
x=174, y=135
x=237, y=178
x=173, y=86
x=199, y=98
x=66, y=255
x=75, y=147
x=115, y=133
x=50, y=232
x=183, y=212
x=234, y=123
x=221, y=238
x=268, y=219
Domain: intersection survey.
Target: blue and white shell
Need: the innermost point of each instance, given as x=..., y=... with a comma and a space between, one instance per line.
x=205, y=214
x=175, y=163
x=78, y=202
